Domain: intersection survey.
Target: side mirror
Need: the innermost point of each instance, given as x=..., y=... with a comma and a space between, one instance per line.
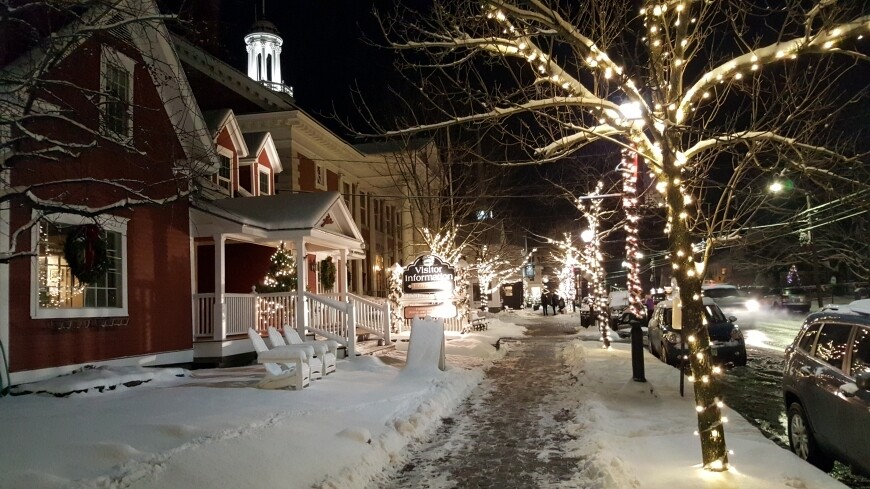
x=862, y=380
x=733, y=319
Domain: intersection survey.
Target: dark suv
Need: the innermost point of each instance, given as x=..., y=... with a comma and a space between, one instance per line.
x=826, y=387
x=726, y=339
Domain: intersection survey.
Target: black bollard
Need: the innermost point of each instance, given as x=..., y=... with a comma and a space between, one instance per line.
x=637, y=370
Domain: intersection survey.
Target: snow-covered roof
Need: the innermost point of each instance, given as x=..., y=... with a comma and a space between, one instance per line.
x=216, y=120
x=258, y=142
x=321, y=217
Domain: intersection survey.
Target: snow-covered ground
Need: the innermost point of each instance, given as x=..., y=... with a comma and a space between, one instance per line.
x=215, y=429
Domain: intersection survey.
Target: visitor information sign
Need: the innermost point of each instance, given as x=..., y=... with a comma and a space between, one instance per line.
x=429, y=274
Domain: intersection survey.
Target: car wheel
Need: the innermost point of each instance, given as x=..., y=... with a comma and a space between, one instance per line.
x=663, y=354
x=802, y=441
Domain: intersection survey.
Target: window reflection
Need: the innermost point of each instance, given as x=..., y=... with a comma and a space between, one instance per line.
x=861, y=352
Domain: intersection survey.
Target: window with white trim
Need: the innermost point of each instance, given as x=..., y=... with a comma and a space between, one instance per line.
x=265, y=182
x=116, y=89
x=224, y=177
x=56, y=293
x=320, y=171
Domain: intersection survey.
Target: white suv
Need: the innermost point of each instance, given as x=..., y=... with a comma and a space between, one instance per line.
x=732, y=303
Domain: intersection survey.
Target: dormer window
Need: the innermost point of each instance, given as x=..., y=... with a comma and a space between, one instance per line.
x=116, y=89
x=265, y=182
x=225, y=174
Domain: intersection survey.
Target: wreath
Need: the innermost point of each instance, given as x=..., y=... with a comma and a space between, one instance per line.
x=85, y=252
x=327, y=273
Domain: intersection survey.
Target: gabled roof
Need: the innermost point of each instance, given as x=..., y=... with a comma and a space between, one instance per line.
x=216, y=120
x=259, y=142
x=321, y=217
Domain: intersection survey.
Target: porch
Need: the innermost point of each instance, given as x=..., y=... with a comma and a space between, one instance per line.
x=229, y=237
x=339, y=317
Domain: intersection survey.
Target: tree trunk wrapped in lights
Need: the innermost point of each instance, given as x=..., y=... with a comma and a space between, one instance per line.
x=592, y=258
x=731, y=95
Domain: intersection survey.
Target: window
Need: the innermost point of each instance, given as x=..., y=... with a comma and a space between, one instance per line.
x=265, y=181
x=861, y=352
x=319, y=171
x=225, y=175
x=116, y=86
x=345, y=189
x=57, y=293
x=831, y=345
x=809, y=337
x=378, y=205
x=363, y=215
x=388, y=218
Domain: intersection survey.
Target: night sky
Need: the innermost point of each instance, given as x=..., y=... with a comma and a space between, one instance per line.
x=323, y=54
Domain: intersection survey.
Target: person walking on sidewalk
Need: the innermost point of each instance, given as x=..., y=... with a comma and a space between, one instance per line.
x=545, y=302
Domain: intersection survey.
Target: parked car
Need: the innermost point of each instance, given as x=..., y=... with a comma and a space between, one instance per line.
x=768, y=298
x=797, y=299
x=618, y=302
x=733, y=303
x=726, y=339
x=826, y=387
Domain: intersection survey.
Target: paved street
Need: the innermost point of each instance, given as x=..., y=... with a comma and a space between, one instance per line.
x=507, y=433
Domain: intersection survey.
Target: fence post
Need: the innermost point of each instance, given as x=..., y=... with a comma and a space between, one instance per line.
x=350, y=317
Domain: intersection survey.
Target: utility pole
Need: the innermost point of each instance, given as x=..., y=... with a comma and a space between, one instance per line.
x=813, y=253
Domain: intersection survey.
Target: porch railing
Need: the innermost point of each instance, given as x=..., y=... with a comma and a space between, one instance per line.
x=372, y=315
x=323, y=315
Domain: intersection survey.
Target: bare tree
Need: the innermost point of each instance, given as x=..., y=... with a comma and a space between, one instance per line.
x=54, y=117
x=730, y=93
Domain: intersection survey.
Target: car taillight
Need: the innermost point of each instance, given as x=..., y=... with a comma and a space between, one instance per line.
x=736, y=334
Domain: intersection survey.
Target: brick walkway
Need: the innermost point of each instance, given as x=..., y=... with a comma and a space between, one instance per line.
x=506, y=435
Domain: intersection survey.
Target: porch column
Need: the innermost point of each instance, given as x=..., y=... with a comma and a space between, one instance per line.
x=301, y=283
x=220, y=286
x=342, y=274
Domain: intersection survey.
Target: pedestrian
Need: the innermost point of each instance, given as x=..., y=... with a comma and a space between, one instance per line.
x=562, y=305
x=545, y=302
x=554, y=301
x=650, y=305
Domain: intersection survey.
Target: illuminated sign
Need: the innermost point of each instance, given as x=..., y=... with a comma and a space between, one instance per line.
x=428, y=274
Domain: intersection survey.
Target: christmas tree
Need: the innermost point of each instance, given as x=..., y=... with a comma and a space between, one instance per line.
x=281, y=276
x=793, y=278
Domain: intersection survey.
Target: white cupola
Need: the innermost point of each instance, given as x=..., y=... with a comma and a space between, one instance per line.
x=264, y=56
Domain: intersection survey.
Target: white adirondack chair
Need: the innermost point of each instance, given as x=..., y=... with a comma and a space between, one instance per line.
x=315, y=363
x=285, y=367
x=327, y=350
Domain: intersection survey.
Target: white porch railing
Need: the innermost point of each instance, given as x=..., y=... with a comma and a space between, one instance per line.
x=324, y=316
x=372, y=315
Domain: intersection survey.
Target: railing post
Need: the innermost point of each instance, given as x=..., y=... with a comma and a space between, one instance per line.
x=388, y=318
x=351, y=330
x=256, y=309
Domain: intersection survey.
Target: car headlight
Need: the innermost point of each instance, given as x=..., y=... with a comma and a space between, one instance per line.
x=752, y=305
x=736, y=334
